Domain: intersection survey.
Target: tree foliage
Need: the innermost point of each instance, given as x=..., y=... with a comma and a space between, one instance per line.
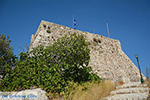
x=7, y=58
x=52, y=68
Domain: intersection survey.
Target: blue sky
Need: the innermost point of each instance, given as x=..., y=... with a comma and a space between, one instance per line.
x=128, y=21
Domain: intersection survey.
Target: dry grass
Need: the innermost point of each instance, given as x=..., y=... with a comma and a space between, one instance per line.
x=92, y=91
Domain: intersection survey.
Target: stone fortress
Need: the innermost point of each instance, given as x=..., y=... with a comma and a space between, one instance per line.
x=106, y=56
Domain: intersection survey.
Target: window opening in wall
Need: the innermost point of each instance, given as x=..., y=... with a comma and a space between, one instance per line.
x=48, y=31
x=48, y=27
x=99, y=40
x=44, y=25
x=96, y=40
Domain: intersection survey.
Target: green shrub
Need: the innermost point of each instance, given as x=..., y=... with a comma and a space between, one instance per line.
x=7, y=58
x=52, y=68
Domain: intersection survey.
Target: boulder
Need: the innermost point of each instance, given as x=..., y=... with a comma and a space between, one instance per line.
x=34, y=94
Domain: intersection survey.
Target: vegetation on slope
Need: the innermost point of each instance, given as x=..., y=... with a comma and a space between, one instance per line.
x=55, y=68
x=92, y=91
x=7, y=58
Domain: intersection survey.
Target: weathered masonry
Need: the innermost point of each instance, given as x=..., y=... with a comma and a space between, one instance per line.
x=107, y=57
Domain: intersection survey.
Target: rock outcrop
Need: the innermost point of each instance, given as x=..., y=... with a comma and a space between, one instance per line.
x=32, y=94
x=107, y=57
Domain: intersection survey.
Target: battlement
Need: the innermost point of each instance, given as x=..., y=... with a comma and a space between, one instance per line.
x=106, y=56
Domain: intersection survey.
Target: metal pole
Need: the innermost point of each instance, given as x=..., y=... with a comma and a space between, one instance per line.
x=73, y=20
x=107, y=29
x=93, y=30
x=142, y=81
x=147, y=73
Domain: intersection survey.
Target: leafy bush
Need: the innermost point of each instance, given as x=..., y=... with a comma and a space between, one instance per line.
x=7, y=58
x=52, y=68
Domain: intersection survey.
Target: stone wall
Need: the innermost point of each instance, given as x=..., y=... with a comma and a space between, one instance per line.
x=107, y=57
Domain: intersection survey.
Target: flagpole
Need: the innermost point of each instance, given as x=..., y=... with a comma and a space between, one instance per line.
x=107, y=29
x=73, y=21
x=93, y=30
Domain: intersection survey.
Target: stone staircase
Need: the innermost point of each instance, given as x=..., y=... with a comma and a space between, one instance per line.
x=130, y=91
